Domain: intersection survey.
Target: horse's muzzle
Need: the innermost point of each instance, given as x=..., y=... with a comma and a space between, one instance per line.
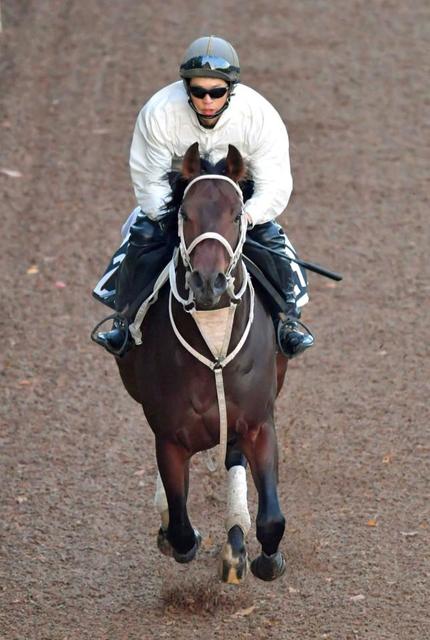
x=207, y=289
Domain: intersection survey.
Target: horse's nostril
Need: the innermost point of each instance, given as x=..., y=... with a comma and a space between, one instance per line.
x=196, y=281
x=220, y=283
x=213, y=285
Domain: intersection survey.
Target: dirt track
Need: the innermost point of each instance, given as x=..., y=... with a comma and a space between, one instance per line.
x=78, y=555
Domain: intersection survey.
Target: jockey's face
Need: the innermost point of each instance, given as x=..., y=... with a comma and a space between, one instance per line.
x=208, y=105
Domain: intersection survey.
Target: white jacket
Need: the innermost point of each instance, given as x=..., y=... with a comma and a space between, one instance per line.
x=166, y=126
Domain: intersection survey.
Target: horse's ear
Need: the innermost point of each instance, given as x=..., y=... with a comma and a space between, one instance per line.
x=235, y=166
x=191, y=165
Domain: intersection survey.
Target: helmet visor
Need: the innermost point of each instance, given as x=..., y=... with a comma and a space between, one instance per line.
x=212, y=63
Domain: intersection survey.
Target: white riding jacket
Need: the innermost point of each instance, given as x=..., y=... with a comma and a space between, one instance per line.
x=167, y=126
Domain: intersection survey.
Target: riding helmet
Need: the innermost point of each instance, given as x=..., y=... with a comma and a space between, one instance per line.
x=210, y=57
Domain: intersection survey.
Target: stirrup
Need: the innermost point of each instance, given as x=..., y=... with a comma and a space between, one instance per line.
x=293, y=322
x=124, y=325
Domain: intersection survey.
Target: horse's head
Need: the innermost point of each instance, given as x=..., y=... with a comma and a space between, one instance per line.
x=211, y=223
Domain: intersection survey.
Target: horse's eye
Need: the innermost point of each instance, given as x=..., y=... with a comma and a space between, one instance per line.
x=183, y=214
x=238, y=217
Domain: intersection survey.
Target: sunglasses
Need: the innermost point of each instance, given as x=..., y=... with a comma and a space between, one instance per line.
x=214, y=94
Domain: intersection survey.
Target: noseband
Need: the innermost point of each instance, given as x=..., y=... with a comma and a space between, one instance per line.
x=210, y=235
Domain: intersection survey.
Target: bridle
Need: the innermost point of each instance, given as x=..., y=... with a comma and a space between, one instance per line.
x=185, y=251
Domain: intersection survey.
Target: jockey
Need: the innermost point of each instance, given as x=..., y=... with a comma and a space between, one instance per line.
x=208, y=106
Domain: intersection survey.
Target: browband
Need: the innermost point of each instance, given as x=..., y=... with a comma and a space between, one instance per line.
x=214, y=177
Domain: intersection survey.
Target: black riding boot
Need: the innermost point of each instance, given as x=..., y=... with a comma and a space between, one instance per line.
x=265, y=245
x=291, y=340
x=149, y=250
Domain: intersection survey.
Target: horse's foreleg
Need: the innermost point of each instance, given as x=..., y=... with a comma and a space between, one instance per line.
x=262, y=453
x=234, y=558
x=173, y=465
x=160, y=503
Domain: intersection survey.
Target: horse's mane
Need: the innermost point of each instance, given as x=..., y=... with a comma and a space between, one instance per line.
x=179, y=183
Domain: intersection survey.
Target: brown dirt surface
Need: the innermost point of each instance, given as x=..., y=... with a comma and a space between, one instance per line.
x=78, y=553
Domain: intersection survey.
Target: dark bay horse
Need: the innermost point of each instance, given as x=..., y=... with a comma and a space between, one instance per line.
x=183, y=398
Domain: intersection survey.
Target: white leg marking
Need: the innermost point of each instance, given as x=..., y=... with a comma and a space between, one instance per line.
x=237, y=503
x=160, y=502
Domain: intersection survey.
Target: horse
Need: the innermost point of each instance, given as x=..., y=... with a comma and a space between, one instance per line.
x=190, y=394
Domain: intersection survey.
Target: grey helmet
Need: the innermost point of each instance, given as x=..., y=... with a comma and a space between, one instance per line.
x=210, y=57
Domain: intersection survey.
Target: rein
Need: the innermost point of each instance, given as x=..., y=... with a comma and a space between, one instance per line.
x=223, y=358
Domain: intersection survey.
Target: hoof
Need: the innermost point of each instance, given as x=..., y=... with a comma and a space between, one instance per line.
x=269, y=567
x=163, y=544
x=233, y=566
x=189, y=555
